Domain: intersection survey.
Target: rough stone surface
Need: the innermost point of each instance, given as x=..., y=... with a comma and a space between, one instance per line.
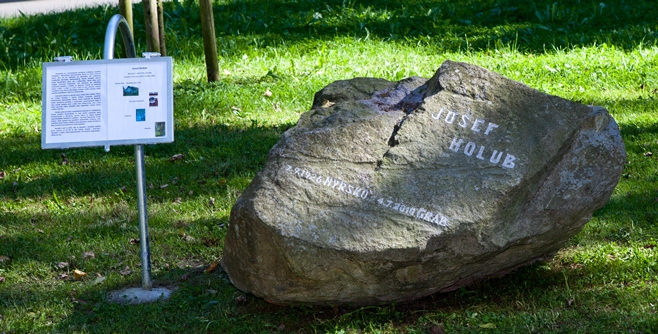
x=391, y=191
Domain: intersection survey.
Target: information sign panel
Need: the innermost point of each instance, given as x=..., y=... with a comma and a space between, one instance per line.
x=107, y=102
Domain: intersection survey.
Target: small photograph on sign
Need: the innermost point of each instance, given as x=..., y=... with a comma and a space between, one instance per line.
x=159, y=129
x=153, y=101
x=140, y=115
x=130, y=91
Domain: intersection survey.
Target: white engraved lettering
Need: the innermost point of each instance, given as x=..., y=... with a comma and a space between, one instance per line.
x=470, y=147
x=476, y=125
x=490, y=127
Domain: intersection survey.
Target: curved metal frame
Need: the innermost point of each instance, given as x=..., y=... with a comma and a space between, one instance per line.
x=119, y=22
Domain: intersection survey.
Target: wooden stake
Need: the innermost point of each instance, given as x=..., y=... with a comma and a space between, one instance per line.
x=209, y=41
x=161, y=29
x=151, y=25
x=126, y=10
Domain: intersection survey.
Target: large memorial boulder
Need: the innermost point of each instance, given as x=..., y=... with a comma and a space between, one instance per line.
x=390, y=191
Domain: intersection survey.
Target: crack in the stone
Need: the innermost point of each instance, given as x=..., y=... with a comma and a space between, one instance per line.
x=392, y=142
x=408, y=105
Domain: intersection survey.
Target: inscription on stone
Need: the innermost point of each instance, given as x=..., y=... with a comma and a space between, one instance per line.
x=420, y=213
x=470, y=148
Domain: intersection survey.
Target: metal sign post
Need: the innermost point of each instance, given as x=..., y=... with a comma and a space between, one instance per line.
x=118, y=21
x=77, y=97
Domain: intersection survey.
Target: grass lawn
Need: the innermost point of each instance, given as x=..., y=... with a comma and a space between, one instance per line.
x=75, y=209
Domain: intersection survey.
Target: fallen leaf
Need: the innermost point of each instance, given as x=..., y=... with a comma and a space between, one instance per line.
x=649, y=246
x=267, y=93
x=126, y=271
x=190, y=193
x=63, y=276
x=2, y=175
x=212, y=267
x=488, y=325
x=4, y=259
x=174, y=180
x=40, y=231
x=176, y=157
x=2, y=279
x=88, y=255
x=281, y=328
x=164, y=186
x=178, y=200
x=151, y=185
x=78, y=274
x=241, y=299
x=211, y=202
x=64, y=159
x=327, y=104
x=134, y=241
x=212, y=292
x=234, y=108
x=185, y=277
x=62, y=265
x=99, y=280
x=226, y=72
x=648, y=154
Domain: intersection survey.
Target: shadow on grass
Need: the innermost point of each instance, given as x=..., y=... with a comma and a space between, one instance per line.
x=528, y=298
x=211, y=154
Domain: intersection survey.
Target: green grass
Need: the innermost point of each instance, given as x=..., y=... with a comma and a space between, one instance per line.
x=602, y=53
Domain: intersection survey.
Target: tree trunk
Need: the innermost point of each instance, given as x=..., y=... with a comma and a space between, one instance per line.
x=161, y=29
x=151, y=25
x=209, y=41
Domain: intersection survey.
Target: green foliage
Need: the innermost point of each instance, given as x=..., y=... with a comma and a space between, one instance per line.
x=54, y=208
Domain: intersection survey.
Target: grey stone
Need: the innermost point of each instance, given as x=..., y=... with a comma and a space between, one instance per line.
x=391, y=191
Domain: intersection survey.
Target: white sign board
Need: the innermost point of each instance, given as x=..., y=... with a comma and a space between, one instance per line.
x=107, y=102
